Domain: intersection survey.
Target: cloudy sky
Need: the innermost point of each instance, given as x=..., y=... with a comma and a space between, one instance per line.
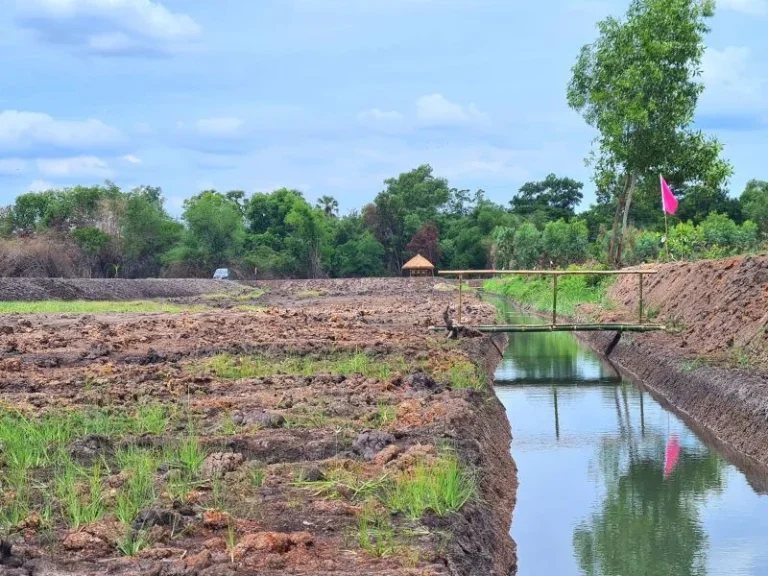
x=327, y=96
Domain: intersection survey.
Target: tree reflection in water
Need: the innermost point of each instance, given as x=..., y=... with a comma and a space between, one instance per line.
x=648, y=525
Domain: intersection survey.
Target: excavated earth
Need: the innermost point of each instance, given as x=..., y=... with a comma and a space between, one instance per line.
x=287, y=429
x=712, y=364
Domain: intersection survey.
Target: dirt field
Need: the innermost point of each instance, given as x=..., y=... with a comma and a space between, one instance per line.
x=323, y=430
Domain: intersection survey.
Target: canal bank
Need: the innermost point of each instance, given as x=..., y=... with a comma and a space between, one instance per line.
x=610, y=482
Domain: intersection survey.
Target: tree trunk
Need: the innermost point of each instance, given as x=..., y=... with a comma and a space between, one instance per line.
x=615, y=230
x=630, y=191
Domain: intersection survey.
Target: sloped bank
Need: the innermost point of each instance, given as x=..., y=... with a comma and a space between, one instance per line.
x=482, y=544
x=712, y=367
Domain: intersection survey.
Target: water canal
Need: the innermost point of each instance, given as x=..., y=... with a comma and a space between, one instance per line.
x=611, y=483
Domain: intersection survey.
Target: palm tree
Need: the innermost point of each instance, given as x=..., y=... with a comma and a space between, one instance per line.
x=329, y=205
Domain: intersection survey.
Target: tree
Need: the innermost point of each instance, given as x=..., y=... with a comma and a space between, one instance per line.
x=527, y=246
x=503, y=247
x=754, y=202
x=554, y=197
x=637, y=85
x=214, y=233
x=426, y=242
x=309, y=232
x=329, y=205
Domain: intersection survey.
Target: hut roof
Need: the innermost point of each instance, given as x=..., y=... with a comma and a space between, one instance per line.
x=418, y=262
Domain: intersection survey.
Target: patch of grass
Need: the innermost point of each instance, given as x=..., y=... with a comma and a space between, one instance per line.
x=375, y=533
x=652, y=313
x=536, y=291
x=309, y=294
x=691, y=365
x=133, y=542
x=228, y=426
x=340, y=480
x=138, y=491
x=385, y=414
x=741, y=357
x=461, y=375
x=256, y=476
x=238, y=367
x=93, y=307
x=442, y=486
x=81, y=494
x=151, y=419
x=190, y=455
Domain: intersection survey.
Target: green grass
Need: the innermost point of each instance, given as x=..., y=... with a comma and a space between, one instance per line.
x=138, y=491
x=256, y=476
x=246, y=297
x=81, y=494
x=309, y=294
x=238, y=367
x=536, y=291
x=93, y=307
x=375, y=534
x=442, y=486
x=462, y=375
x=133, y=542
x=385, y=414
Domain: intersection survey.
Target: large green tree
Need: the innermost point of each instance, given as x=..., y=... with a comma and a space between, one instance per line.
x=754, y=202
x=637, y=84
x=553, y=198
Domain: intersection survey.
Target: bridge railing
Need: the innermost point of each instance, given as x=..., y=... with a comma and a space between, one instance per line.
x=554, y=326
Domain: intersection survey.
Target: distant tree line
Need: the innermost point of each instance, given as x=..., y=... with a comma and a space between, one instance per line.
x=103, y=231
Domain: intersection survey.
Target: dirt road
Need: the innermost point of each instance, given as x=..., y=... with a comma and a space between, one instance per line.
x=303, y=436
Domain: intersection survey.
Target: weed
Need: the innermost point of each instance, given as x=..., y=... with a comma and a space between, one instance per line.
x=309, y=294
x=256, y=476
x=741, y=357
x=461, y=375
x=231, y=541
x=139, y=489
x=217, y=489
x=691, y=365
x=375, y=534
x=229, y=427
x=340, y=481
x=151, y=419
x=190, y=456
x=133, y=542
x=72, y=485
x=652, y=313
x=441, y=486
x=385, y=414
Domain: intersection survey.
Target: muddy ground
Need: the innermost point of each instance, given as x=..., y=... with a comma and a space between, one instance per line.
x=277, y=436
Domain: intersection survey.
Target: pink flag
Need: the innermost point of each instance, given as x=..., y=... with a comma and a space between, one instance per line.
x=672, y=456
x=668, y=200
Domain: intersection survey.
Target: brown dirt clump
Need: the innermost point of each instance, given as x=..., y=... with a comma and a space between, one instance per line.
x=253, y=441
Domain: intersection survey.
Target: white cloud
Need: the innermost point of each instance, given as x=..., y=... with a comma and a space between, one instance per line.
x=436, y=109
x=40, y=186
x=224, y=127
x=11, y=166
x=749, y=7
x=28, y=131
x=131, y=159
x=730, y=84
x=109, y=27
x=74, y=167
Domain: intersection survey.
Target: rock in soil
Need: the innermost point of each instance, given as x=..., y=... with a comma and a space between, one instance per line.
x=312, y=474
x=156, y=517
x=420, y=381
x=264, y=419
x=368, y=444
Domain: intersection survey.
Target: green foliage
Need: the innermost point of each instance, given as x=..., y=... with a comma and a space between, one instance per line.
x=754, y=201
x=527, y=243
x=565, y=243
x=92, y=307
x=375, y=533
x=553, y=198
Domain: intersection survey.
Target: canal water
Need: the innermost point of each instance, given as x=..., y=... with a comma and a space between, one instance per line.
x=612, y=484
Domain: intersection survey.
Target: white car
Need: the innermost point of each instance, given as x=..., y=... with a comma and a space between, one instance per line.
x=221, y=274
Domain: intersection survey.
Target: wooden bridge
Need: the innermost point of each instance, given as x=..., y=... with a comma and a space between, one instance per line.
x=554, y=326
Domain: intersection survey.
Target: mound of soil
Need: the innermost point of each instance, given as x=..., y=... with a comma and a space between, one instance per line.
x=717, y=306
x=32, y=289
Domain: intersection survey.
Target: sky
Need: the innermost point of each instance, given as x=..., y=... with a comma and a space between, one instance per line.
x=329, y=96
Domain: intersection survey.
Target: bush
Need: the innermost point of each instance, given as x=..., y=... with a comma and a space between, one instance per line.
x=527, y=246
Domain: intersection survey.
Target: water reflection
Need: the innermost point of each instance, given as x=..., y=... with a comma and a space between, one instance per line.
x=594, y=498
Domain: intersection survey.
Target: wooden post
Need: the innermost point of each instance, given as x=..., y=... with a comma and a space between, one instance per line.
x=640, y=320
x=458, y=314
x=554, y=299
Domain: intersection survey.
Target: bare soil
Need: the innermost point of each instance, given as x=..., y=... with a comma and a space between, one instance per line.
x=292, y=427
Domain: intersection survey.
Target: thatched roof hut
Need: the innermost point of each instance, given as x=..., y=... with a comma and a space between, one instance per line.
x=419, y=266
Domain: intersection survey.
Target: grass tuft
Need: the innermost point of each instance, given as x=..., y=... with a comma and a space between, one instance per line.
x=441, y=486
x=375, y=533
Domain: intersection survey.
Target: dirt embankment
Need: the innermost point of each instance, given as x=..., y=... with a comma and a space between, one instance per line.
x=31, y=289
x=313, y=414
x=713, y=365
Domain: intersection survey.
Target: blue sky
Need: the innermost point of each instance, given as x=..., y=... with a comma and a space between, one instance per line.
x=328, y=96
